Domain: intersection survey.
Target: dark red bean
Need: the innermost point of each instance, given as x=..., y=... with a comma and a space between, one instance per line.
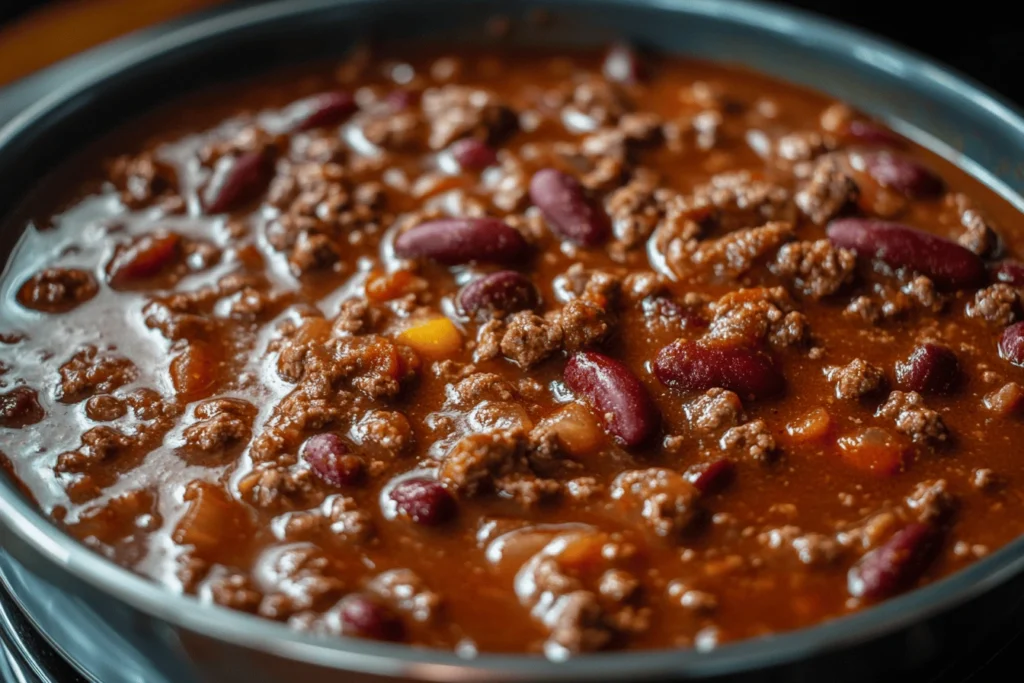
x=872, y=133
x=622, y=64
x=712, y=477
x=1011, y=344
x=20, y=407
x=365, y=617
x=948, y=264
x=454, y=241
x=618, y=396
x=144, y=258
x=904, y=175
x=424, y=501
x=1009, y=271
x=895, y=565
x=930, y=369
x=472, y=154
x=330, y=460
x=698, y=366
x=568, y=211
x=325, y=109
x=503, y=292
x=236, y=180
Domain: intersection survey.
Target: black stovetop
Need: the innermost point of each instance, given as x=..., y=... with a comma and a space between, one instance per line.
x=980, y=41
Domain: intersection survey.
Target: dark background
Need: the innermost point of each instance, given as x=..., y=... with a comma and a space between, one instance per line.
x=978, y=37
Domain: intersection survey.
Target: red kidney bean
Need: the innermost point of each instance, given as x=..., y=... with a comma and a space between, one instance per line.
x=330, y=460
x=713, y=476
x=930, y=369
x=622, y=64
x=950, y=265
x=454, y=241
x=325, y=109
x=236, y=180
x=895, y=565
x=505, y=291
x=1009, y=271
x=365, y=617
x=872, y=133
x=144, y=258
x=20, y=407
x=618, y=396
x=698, y=366
x=568, y=211
x=904, y=175
x=1011, y=344
x=424, y=501
x=472, y=154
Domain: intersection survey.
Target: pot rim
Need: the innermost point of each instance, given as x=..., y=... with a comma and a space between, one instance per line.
x=22, y=518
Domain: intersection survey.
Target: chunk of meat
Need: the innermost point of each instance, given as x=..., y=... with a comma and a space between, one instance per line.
x=998, y=305
x=91, y=371
x=817, y=268
x=827, y=193
x=913, y=418
x=752, y=440
x=529, y=339
x=715, y=410
x=664, y=499
x=858, y=378
x=57, y=290
x=474, y=462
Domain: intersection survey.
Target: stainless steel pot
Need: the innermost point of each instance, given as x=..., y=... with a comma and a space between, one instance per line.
x=181, y=641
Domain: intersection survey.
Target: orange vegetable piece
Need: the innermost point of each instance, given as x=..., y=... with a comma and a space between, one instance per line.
x=434, y=338
x=874, y=450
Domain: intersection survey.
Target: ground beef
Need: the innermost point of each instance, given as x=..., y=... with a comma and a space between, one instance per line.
x=456, y=111
x=857, y=379
x=752, y=440
x=998, y=305
x=583, y=324
x=230, y=589
x=528, y=338
x=717, y=409
x=739, y=251
x=828, y=193
x=816, y=268
x=802, y=146
x=295, y=578
x=391, y=130
x=272, y=486
x=812, y=549
x=144, y=179
x=1006, y=400
x=636, y=210
x=979, y=236
x=338, y=516
x=931, y=501
x=222, y=424
x=406, y=592
x=56, y=290
x=99, y=444
x=357, y=316
x=921, y=424
x=757, y=314
x=91, y=371
x=737, y=200
x=472, y=465
x=664, y=499
x=20, y=407
x=383, y=430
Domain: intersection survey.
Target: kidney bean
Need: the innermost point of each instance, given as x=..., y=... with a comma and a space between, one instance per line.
x=1011, y=344
x=904, y=175
x=713, y=476
x=872, y=133
x=1009, y=271
x=568, y=211
x=424, y=501
x=325, y=109
x=365, y=617
x=698, y=366
x=505, y=291
x=454, y=241
x=143, y=258
x=618, y=396
x=896, y=564
x=950, y=265
x=20, y=407
x=330, y=460
x=236, y=180
x=472, y=154
x=930, y=369
x=622, y=64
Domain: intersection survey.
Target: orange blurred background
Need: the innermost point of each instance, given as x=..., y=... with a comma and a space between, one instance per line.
x=61, y=29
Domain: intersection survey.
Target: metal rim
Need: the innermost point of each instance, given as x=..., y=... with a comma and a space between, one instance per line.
x=29, y=524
